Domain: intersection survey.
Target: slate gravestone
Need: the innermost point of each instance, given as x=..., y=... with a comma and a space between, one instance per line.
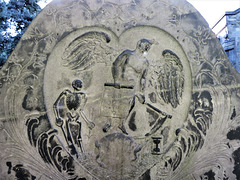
x=108, y=89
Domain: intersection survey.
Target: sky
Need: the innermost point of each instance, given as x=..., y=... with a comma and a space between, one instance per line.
x=211, y=10
x=43, y=3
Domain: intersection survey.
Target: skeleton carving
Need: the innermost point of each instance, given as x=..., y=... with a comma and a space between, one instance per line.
x=68, y=110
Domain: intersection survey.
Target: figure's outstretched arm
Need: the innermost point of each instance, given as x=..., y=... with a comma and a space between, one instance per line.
x=83, y=100
x=81, y=112
x=118, y=65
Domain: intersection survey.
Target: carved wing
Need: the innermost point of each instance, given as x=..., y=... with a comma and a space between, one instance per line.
x=86, y=50
x=169, y=81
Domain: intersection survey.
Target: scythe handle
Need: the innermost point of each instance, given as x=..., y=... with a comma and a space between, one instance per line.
x=158, y=110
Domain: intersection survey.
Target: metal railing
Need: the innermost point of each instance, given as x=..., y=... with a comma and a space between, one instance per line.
x=228, y=13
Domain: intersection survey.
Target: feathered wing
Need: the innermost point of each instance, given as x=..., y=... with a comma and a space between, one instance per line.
x=86, y=50
x=170, y=79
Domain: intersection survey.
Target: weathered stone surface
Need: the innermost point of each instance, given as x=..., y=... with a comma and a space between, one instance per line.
x=110, y=89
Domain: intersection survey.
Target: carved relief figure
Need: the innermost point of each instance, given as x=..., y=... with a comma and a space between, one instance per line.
x=129, y=71
x=68, y=110
x=131, y=67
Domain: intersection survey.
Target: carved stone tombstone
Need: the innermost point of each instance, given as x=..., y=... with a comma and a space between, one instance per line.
x=108, y=89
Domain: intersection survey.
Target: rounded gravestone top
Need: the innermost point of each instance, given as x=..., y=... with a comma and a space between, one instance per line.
x=110, y=89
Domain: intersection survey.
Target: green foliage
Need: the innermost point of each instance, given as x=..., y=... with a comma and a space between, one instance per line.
x=15, y=15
